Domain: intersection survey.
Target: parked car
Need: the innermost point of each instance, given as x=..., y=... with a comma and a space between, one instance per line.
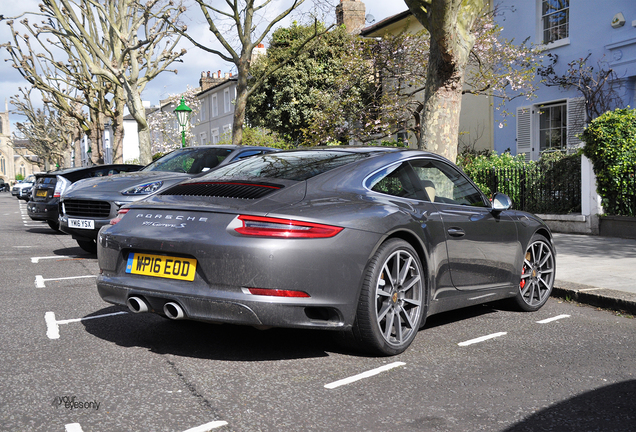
x=89, y=204
x=365, y=241
x=22, y=190
x=49, y=186
x=4, y=187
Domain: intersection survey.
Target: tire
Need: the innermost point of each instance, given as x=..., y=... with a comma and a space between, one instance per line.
x=54, y=225
x=89, y=246
x=392, y=303
x=537, y=275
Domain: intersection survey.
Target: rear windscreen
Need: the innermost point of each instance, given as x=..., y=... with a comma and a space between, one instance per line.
x=299, y=166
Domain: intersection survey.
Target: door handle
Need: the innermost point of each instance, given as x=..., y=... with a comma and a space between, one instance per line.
x=456, y=232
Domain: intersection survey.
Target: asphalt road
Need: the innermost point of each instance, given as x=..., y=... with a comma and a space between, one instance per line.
x=70, y=362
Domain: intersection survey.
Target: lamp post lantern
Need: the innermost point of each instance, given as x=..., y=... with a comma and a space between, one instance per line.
x=183, y=113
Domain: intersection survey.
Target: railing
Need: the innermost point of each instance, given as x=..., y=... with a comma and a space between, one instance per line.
x=546, y=188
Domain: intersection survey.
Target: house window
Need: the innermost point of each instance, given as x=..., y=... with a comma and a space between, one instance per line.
x=202, y=111
x=215, y=107
x=549, y=127
x=215, y=136
x=3, y=165
x=227, y=130
x=555, y=20
x=226, y=100
x=204, y=138
x=23, y=170
x=553, y=127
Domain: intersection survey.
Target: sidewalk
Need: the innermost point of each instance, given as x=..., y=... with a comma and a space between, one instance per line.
x=599, y=271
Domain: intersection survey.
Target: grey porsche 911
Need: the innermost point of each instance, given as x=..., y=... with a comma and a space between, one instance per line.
x=365, y=241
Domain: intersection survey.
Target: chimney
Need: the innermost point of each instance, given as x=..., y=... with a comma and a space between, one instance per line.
x=208, y=81
x=351, y=14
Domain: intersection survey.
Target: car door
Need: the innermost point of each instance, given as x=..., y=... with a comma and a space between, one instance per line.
x=401, y=188
x=482, y=245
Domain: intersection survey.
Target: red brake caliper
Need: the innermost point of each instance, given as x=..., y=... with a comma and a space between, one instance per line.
x=523, y=281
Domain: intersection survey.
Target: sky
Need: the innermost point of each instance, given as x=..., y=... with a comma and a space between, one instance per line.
x=194, y=62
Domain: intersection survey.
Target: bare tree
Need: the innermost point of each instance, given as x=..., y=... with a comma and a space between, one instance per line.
x=47, y=131
x=121, y=41
x=600, y=88
x=243, y=16
x=52, y=67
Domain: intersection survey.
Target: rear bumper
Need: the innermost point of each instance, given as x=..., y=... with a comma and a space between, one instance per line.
x=42, y=211
x=241, y=310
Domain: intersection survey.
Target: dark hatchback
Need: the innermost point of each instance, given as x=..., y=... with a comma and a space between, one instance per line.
x=49, y=186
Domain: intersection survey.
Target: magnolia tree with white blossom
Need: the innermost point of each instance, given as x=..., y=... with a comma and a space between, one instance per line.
x=394, y=98
x=165, y=133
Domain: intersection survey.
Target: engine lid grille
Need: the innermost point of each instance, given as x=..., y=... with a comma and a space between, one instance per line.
x=223, y=189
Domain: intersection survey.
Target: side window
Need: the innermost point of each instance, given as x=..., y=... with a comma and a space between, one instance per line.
x=247, y=154
x=444, y=184
x=396, y=180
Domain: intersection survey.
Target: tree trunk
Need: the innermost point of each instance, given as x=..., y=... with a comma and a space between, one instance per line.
x=240, y=104
x=137, y=110
x=442, y=105
x=449, y=23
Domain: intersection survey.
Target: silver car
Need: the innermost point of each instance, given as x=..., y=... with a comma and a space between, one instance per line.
x=89, y=204
x=22, y=190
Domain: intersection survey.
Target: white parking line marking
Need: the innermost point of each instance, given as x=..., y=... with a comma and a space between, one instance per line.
x=481, y=339
x=53, y=326
x=52, y=329
x=39, y=280
x=558, y=317
x=208, y=426
x=36, y=260
x=73, y=427
x=363, y=375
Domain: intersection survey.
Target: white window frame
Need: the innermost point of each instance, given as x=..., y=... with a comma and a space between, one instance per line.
x=215, y=136
x=215, y=106
x=528, y=126
x=226, y=100
x=203, y=138
x=540, y=29
x=202, y=110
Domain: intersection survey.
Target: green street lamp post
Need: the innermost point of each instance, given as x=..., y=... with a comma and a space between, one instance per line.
x=183, y=113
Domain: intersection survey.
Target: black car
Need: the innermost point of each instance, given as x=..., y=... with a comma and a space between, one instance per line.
x=364, y=241
x=49, y=186
x=90, y=204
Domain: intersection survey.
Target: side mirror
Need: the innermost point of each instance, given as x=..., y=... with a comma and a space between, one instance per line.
x=501, y=202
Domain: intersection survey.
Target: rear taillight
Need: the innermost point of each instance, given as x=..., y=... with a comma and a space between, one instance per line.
x=120, y=215
x=60, y=186
x=283, y=228
x=275, y=292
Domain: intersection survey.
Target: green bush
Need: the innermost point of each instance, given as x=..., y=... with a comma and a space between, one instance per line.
x=477, y=167
x=610, y=143
x=258, y=137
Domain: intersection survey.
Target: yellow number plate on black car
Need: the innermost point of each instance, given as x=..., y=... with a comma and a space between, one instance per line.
x=161, y=266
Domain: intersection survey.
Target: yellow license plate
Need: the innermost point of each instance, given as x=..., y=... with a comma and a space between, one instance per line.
x=40, y=193
x=161, y=266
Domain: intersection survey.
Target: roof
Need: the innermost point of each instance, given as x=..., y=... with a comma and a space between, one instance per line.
x=375, y=29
